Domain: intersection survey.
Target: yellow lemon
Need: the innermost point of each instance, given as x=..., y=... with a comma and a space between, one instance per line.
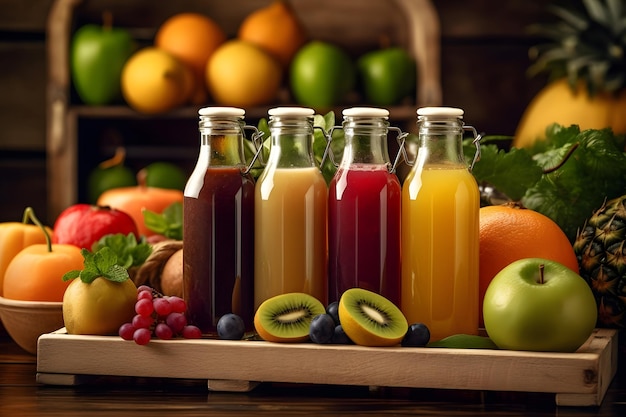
x=99, y=307
x=155, y=81
x=241, y=74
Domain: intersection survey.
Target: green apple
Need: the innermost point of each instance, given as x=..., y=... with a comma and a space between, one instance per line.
x=321, y=74
x=387, y=75
x=164, y=175
x=537, y=304
x=102, y=179
x=97, y=56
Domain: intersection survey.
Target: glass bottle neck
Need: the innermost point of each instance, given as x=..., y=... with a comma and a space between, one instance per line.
x=291, y=142
x=222, y=141
x=365, y=141
x=441, y=141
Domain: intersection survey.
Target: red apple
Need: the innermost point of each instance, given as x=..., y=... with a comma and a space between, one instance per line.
x=134, y=200
x=84, y=224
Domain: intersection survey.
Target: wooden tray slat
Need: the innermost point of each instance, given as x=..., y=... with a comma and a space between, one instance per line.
x=579, y=378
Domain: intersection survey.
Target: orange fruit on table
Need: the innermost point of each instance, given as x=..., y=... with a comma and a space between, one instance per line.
x=509, y=232
x=192, y=38
x=36, y=272
x=276, y=29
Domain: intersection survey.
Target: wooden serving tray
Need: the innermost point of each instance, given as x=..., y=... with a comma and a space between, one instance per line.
x=577, y=379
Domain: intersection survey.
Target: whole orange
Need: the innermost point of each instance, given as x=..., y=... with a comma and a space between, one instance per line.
x=510, y=232
x=276, y=29
x=36, y=272
x=192, y=38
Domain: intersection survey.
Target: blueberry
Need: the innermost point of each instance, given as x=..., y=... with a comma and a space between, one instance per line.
x=230, y=327
x=322, y=328
x=333, y=311
x=340, y=337
x=418, y=335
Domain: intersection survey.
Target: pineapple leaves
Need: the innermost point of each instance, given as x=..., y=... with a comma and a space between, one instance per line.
x=573, y=19
x=598, y=13
x=587, y=43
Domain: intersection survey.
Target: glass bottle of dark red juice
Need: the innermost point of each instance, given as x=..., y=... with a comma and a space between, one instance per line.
x=364, y=209
x=218, y=228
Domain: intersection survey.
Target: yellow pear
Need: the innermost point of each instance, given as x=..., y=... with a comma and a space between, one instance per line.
x=155, y=81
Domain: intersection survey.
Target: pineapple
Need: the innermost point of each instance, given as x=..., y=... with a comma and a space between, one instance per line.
x=600, y=248
x=586, y=60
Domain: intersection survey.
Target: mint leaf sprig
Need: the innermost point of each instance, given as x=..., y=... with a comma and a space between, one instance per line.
x=129, y=252
x=101, y=264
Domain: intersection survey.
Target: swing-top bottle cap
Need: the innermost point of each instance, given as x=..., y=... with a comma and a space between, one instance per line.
x=291, y=112
x=366, y=112
x=222, y=111
x=445, y=112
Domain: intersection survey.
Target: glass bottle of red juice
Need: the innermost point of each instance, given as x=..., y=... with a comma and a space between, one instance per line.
x=364, y=210
x=218, y=228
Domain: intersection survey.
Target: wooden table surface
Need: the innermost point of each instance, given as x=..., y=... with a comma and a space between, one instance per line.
x=21, y=395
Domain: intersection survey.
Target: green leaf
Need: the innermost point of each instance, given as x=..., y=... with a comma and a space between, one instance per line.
x=512, y=173
x=129, y=252
x=116, y=273
x=566, y=176
x=464, y=341
x=100, y=264
x=71, y=275
x=169, y=223
x=88, y=276
x=327, y=122
x=104, y=259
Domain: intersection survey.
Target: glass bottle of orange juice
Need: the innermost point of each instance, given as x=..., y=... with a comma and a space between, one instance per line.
x=290, y=211
x=440, y=203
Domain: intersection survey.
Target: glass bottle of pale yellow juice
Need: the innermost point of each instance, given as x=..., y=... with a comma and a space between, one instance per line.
x=440, y=203
x=290, y=211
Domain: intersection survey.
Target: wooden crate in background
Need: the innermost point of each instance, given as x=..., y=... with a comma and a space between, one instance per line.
x=80, y=136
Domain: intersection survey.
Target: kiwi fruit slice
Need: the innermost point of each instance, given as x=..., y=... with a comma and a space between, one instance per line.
x=287, y=317
x=370, y=319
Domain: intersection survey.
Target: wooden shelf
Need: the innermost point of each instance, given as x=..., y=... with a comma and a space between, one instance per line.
x=396, y=113
x=354, y=25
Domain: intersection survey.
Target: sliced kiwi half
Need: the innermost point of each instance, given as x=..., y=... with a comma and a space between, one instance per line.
x=287, y=317
x=370, y=319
